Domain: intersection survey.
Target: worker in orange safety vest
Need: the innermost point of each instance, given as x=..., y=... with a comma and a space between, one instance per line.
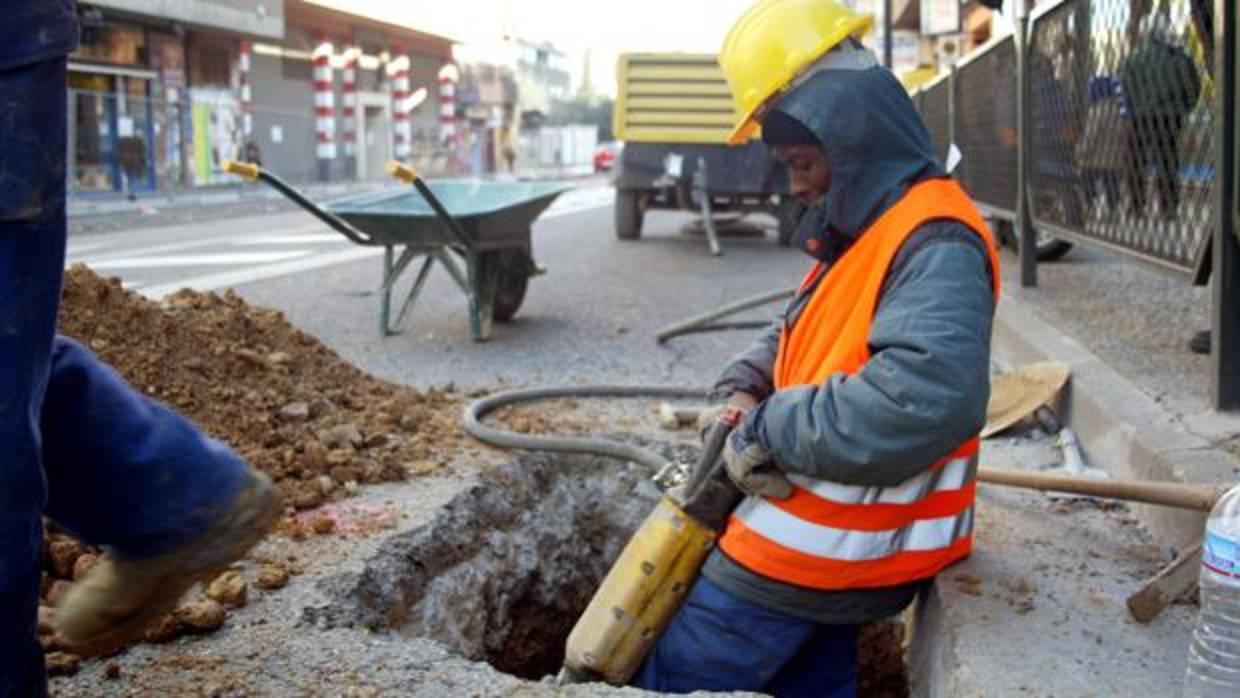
x=862, y=403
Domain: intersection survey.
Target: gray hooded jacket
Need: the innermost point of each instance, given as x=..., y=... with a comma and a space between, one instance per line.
x=925, y=387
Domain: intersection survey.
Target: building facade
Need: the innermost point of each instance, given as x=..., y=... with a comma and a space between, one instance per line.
x=161, y=91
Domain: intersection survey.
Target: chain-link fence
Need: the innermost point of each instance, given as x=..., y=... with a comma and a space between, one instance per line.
x=985, y=115
x=936, y=112
x=1120, y=125
x=1123, y=126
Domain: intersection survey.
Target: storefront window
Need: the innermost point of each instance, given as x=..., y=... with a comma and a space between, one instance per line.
x=113, y=132
x=169, y=109
x=135, y=135
x=110, y=110
x=92, y=110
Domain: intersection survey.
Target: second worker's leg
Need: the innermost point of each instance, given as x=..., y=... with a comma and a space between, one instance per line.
x=170, y=505
x=32, y=244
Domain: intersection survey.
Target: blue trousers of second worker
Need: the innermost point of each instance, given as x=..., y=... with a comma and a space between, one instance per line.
x=718, y=642
x=77, y=444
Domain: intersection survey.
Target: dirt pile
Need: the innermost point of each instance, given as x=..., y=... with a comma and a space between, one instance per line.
x=289, y=405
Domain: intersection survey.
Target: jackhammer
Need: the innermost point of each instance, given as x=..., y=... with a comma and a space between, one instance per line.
x=658, y=566
x=655, y=571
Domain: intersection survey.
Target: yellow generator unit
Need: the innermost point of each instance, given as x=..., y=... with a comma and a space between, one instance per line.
x=673, y=113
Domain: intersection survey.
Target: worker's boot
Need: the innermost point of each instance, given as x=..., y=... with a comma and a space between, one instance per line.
x=119, y=598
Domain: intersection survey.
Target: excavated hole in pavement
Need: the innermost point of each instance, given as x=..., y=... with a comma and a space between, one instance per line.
x=504, y=570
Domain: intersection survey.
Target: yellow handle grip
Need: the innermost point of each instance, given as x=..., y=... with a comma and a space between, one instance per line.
x=248, y=170
x=401, y=171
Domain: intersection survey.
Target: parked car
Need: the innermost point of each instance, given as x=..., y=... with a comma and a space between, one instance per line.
x=605, y=155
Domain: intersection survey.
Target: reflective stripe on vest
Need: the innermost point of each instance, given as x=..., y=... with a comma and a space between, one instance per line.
x=830, y=535
x=855, y=546
x=954, y=475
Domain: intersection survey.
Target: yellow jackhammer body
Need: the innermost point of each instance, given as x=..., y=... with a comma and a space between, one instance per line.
x=654, y=572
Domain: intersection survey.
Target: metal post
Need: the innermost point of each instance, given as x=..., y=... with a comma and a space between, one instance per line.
x=887, y=41
x=1225, y=354
x=701, y=188
x=951, y=109
x=1024, y=134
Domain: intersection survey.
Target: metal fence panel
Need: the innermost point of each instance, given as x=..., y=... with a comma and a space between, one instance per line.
x=985, y=125
x=1123, y=126
x=936, y=112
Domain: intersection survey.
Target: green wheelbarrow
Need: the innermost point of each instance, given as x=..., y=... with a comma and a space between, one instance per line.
x=479, y=231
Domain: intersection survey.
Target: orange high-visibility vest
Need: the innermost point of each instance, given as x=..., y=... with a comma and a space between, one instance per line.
x=832, y=536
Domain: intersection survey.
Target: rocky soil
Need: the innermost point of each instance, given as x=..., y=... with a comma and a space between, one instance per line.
x=290, y=406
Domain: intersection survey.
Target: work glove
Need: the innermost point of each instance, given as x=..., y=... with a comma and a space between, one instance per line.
x=750, y=467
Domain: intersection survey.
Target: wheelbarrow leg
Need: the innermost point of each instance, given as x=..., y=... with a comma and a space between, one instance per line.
x=471, y=281
x=391, y=272
x=415, y=290
x=482, y=281
x=454, y=270
x=385, y=292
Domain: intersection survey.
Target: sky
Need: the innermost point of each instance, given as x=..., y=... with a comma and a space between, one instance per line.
x=605, y=27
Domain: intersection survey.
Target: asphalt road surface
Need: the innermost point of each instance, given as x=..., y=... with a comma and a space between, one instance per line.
x=592, y=317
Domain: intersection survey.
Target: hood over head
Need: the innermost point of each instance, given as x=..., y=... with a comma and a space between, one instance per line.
x=875, y=142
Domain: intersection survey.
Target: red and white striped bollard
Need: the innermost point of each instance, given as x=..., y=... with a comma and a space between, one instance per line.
x=243, y=70
x=324, y=109
x=402, y=132
x=448, y=77
x=348, y=100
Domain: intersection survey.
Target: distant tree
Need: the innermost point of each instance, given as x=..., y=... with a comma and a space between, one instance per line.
x=584, y=110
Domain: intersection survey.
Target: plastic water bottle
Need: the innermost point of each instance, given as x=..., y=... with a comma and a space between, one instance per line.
x=1214, y=656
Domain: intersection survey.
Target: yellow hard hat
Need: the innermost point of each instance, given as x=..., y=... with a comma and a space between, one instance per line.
x=772, y=43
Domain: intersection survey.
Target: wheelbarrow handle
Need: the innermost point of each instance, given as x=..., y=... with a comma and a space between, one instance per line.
x=246, y=170
x=252, y=172
x=408, y=175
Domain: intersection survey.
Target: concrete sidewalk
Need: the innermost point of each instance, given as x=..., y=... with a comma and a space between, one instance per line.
x=1140, y=408
x=1039, y=609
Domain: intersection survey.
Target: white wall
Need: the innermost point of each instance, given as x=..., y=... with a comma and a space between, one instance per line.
x=560, y=146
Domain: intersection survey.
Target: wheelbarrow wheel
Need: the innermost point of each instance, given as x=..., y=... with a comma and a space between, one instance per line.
x=512, y=269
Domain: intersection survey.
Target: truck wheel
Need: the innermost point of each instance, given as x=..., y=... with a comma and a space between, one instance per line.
x=513, y=277
x=788, y=214
x=629, y=215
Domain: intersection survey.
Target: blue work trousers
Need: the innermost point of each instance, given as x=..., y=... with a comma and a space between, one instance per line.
x=718, y=642
x=76, y=443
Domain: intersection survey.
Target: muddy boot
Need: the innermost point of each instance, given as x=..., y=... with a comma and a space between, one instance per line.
x=119, y=598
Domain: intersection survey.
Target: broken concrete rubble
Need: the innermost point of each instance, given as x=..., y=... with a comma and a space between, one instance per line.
x=505, y=569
